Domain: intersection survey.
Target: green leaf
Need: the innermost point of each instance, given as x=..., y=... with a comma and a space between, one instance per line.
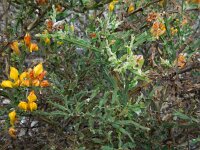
x=58, y=106
x=130, y=122
x=185, y=117
x=104, y=100
x=122, y=130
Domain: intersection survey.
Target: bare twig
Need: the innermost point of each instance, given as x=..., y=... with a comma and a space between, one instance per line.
x=38, y=19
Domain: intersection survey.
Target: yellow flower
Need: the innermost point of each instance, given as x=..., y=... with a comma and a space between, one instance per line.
x=12, y=132
x=44, y=83
x=27, y=39
x=131, y=8
x=16, y=83
x=15, y=47
x=38, y=69
x=23, y=75
x=32, y=106
x=14, y=73
x=25, y=83
x=173, y=31
x=33, y=47
x=41, y=75
x=31, y=73
x=23, y=105
x=47, y=41
x=181, y=61
x=35, y=82
x=7, y=83
x=12, y=116
x=157, y=29
x=32, y=97
x=111, y=6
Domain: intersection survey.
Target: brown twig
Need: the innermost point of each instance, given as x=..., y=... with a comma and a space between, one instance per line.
x=189, y=68
x=38, y=19
x=187, y=10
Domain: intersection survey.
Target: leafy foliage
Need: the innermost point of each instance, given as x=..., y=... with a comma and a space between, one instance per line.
x=121, y=74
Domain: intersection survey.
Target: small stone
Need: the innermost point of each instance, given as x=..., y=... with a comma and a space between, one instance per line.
x=33, y=123
x=6, y=101
x=22, y=132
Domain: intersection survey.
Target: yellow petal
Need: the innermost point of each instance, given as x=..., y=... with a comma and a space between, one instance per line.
x=44, y=83
x=23, y=76
x=7, y=83
x=38, y=69
x=23, y=105
x=32, y=97
x=111, y=6
x=25, y=83
x=14, y=73
x=41, y=75
x=12, y=132
x=27, y=39
x=12, y=117
x=31, y=73
x=35, y=82
x=181, y=61
x=15, y=47
x=47, y=41
x=16, y=83
x=32, y=106
x=33, y=47
x=131, y=8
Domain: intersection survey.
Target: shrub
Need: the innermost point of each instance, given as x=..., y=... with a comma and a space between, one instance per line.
x=88, y=74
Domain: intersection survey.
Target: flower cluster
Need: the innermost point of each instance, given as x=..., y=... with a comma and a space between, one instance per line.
x=32, y=77
x=31, y=105
x=32, y=46
x=157, y=29
x=13, y=117
x=27, y=40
